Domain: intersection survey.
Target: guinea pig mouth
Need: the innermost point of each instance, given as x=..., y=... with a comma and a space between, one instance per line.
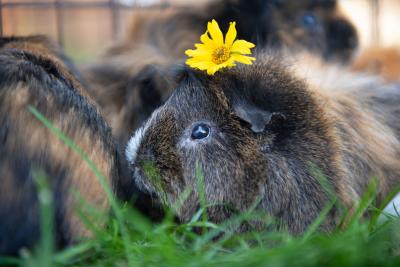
x=141, y=183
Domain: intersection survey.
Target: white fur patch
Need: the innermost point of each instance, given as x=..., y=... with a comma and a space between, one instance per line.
x=136, y=140
x=133, y=145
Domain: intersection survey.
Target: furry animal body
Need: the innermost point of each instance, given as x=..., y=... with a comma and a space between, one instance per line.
x=133, y=78
x=34, y=74
x=262, y=133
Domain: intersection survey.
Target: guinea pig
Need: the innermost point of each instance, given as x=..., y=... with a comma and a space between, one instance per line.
x=32, y=75
x=382, y=61
x=316, y=25
x=128, y=92
x=263, y=135
x=44, y=45
x=131, y=80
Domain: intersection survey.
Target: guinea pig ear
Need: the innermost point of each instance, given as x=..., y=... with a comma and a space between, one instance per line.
x=184, y=75
x=257, y=118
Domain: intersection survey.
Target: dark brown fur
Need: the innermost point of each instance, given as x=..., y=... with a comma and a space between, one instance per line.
x=271, y=23
x=271, y=133
x=32, y=73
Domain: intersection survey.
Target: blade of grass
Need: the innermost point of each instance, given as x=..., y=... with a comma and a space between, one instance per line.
x=70, y=254
x=44, y=252
x=332, y=200
x=201, y=189
x=9, y=261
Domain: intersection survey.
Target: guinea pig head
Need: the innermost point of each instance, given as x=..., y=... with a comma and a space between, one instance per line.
x=317, y=25
x=247, y=134
x=314, y=25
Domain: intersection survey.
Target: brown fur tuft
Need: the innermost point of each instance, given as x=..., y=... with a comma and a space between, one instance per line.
x=32, y=73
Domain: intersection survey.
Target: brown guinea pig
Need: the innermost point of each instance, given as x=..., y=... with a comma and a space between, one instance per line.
x=33, y=74
x=381, y=61
x=45, y=46
x=130, y=81
x=260, y=132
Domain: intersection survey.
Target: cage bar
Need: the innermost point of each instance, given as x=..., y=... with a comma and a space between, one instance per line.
x=1, y=18
x=59, y=22
x=114, y=18
x=375, y=15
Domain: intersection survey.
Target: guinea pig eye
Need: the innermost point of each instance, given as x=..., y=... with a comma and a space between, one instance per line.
x=309, y=20
x=200, y=131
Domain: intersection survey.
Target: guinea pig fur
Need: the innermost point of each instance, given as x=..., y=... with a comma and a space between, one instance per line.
x=259, y=132
x=32, y=74
x=316, y=25
x=382, y=61
x=131, y=80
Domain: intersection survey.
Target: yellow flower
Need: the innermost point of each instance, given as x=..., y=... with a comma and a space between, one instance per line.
x=214, y=54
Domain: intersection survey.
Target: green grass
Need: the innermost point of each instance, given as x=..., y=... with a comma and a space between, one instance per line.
x=131, y=240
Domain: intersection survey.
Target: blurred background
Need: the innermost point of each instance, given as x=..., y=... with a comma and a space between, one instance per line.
x=86, y=27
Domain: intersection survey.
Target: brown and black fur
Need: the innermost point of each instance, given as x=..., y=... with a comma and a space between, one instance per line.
x=128, y=92
x=43, y=45
x=274, y=128
x=382, y=61
x=132, y=78
x=267, y=23
x=33, y=75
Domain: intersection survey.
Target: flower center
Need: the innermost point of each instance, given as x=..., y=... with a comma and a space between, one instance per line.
x=220, y=55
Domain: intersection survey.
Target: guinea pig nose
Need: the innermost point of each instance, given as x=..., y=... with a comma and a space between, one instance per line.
x=200, y=131
x=342, y=34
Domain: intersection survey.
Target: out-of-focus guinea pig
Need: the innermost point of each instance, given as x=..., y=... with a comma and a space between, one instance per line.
x=128, y=92
x=45, y=46
x=316, y=25
x=382, y=61
x=266, y=133
x=130, y=81
x=33, y=74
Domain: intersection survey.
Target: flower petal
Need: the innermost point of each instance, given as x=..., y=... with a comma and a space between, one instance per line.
x=194, y=61
x=212, y=70
x=205, y=39
x=231, y=34
x=199, y=52
x=242, y=47
x=205, y=65
x=228, y=64
x=203, y=47
x=215, y=32
x=191, y=52
x=243, y=59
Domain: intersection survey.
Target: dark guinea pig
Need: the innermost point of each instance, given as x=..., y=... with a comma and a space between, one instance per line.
x=33, y=74
x=263, y=133
x=316, y=25
x=128, y=92
x=131, y=80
